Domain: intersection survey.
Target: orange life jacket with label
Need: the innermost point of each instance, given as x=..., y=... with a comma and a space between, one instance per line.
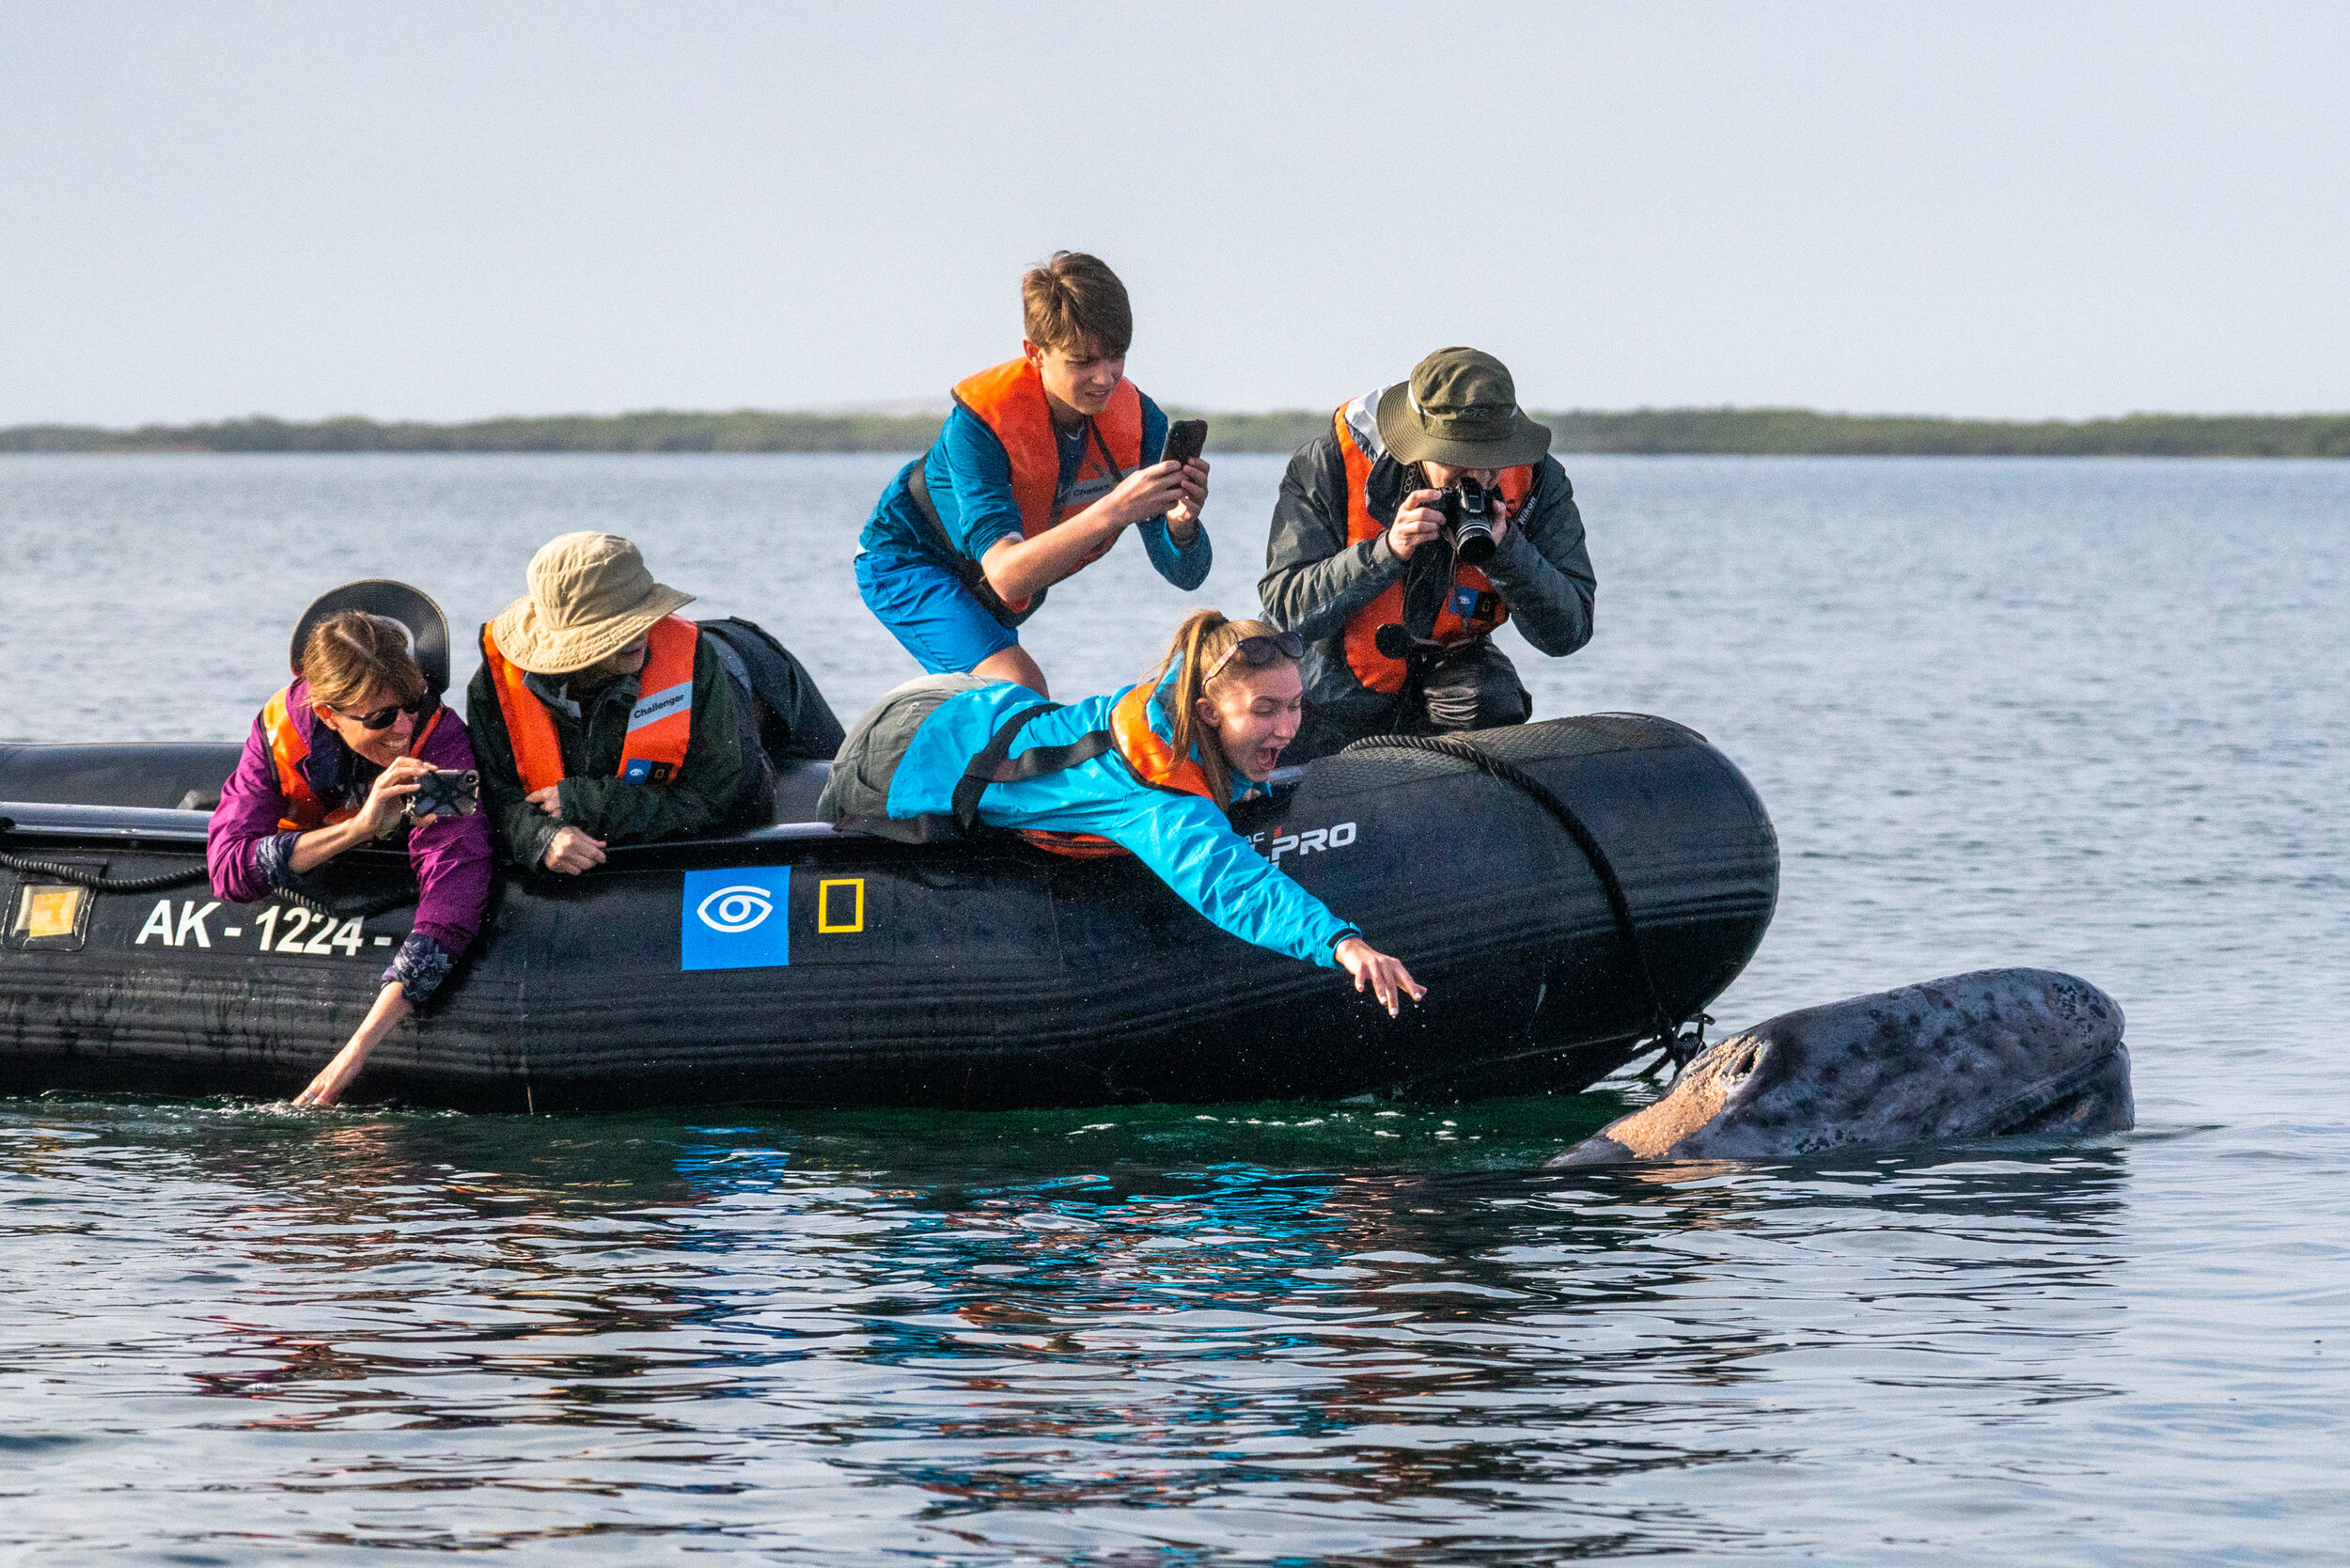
x=290, y=749
x=1471, y=589
x=1008, y=398
x=660, y=726
x=1130, y=734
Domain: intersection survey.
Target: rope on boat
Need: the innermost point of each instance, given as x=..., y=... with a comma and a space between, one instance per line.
x=1678, y=1039
x=77, y=877
x=81, y=878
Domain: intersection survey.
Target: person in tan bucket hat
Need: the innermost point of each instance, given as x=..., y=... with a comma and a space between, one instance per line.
x=590, y=596
x=603, y=716
x=1429, y=514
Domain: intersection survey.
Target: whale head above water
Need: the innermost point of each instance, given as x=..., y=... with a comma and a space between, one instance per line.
x=1979, y=1054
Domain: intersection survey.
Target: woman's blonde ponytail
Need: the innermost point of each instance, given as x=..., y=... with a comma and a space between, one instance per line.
x=1203, y=642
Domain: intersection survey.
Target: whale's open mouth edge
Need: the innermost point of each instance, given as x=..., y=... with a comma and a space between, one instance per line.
x=2033, y=1111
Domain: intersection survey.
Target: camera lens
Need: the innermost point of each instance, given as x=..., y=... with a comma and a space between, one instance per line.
x=1470, y=511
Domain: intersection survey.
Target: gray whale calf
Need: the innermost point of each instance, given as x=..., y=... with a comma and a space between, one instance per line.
x=1979, y=1054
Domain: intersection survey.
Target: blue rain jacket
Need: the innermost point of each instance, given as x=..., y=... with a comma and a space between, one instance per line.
x=969, y=475
x=1185, y=839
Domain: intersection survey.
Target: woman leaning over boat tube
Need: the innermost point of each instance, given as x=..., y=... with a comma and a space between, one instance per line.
x=1151, y=771
x=329, y=766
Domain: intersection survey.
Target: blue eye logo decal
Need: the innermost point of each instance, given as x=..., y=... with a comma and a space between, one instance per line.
x=733, y=910
x=734, y=919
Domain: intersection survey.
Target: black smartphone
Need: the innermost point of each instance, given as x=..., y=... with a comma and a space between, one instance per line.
x=445, y=793
x=1185, y=440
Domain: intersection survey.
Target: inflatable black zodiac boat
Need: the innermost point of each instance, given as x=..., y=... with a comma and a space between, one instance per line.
x=1568, y=891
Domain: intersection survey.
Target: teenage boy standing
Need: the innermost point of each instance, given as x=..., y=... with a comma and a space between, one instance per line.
x=1044, y=462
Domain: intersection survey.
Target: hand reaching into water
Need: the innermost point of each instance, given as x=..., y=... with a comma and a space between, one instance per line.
x=391, y=1006
x=1386, y=977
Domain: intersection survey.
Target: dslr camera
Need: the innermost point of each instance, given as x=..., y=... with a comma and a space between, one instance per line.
x=1468, y=521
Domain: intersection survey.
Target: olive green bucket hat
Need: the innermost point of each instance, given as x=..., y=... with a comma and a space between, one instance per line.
x=1459, y=409
x=590, y=596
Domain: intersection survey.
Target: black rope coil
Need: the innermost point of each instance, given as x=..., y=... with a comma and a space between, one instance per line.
x=1665, y=1032
x=81, y=878
x=73, y=875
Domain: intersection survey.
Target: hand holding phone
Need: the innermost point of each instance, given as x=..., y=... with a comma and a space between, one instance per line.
x=1185, y=440
x=445, y=793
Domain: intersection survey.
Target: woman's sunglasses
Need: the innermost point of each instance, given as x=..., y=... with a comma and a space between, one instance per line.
x=1260, y=652
x=382, y=718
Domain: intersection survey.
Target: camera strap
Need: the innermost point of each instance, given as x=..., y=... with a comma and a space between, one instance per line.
x=968, y=572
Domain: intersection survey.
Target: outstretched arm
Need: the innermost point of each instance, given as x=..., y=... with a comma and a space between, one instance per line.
x=1188, y=842
x=391, y=1006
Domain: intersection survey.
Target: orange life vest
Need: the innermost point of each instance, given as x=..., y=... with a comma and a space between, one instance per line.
x=660, y=726
x=1010, y=401
x=288, y=750
x=1149, y=753
x=1373, y=669
x=1143, y=749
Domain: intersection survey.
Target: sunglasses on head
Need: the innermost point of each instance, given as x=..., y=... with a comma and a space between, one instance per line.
x=382, y=718
x=1261, y=650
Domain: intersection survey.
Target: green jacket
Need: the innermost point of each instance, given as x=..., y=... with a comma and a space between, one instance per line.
x=722, y=783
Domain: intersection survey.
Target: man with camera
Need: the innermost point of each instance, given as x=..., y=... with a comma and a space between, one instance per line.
x=1430, y=513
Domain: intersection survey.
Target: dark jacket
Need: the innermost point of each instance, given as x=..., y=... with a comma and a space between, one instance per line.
x=794, y=721
x=722, y=784
x=1315, y=582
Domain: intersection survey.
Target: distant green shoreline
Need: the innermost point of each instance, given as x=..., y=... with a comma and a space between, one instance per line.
x=1755, y=431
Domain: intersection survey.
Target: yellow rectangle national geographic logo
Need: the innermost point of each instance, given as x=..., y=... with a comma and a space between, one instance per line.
x=829, y=916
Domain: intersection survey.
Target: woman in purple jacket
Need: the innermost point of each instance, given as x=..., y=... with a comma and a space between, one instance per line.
x=329, y=766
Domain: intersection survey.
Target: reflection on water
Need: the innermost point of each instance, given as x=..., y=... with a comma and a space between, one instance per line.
x=2079, y=714
x=841, y=1334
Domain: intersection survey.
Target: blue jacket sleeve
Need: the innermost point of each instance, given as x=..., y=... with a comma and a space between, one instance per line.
x=978, y=508
x=1184, y=565
x=1187, y=843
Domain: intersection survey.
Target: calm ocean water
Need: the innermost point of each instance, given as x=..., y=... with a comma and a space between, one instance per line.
x=2082, y=715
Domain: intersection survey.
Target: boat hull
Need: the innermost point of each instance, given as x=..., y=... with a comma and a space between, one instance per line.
x=874, y=972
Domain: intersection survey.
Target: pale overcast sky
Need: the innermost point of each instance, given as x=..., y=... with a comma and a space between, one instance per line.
x=446, y=210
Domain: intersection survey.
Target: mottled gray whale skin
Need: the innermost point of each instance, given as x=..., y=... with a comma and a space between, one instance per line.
x=1975, y=1055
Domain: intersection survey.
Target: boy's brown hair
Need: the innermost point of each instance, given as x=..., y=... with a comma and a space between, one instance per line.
x=1075, y=302
x=351, y=652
